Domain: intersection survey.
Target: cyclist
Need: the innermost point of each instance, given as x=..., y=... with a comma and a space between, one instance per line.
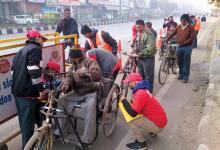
x=106, y=60
x=27, y=84
x=99, y=39
x=168, y=23
x=149, y=27
x=80, y=85
x=68, y=25
x=153, y=118
x=185, y=35
x=146, y=54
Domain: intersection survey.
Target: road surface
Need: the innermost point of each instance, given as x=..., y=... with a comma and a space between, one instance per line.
x=173, y=96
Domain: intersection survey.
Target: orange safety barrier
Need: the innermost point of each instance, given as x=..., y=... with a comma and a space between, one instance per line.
x=119, y=54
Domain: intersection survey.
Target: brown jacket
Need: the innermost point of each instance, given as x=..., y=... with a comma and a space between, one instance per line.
x=83, y=85
x=185, y=36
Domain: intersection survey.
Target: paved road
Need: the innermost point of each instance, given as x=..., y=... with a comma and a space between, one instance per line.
x=171, y=96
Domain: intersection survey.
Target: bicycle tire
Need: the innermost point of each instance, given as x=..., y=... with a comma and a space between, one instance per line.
x=109, y=126
x=174, y=66
x=40, y=141
x=164, y=68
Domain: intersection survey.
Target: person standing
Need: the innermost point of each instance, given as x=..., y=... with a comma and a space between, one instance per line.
x=99, y=39
x=146, y=54
x=149, y=27
x=169, y=23
x=185, y=35
x=27, y=84
x=197, y=27
x=68, y=25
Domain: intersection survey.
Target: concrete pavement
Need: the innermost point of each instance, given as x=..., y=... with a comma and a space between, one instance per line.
x=209, y=127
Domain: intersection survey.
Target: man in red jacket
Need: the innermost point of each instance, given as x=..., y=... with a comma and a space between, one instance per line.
x=153, y=118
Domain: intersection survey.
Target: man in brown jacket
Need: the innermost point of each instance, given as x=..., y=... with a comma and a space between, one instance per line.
x=80, y=85
x=185, y=35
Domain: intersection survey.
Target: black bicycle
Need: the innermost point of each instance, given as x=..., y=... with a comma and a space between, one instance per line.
x=169, y=61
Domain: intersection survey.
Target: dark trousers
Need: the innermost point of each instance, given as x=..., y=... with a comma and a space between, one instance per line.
x=146, y=69
x=184, y=60
x=195, y=40
x=28, y=116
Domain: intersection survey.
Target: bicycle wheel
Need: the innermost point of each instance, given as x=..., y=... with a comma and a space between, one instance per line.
x=174, y=66
x=163, y=71
x=40, y=141
x=111, y=115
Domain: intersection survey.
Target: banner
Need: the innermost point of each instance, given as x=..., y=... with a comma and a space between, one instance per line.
x=69, y=2
x=104, y=2
x=7, y=101
x=37, y=1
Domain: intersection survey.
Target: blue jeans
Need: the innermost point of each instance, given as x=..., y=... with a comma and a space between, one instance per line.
x=184, y=60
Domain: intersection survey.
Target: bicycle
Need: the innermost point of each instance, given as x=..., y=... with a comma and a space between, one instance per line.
x=42, y=138
x=131, y=65
x=169, y=61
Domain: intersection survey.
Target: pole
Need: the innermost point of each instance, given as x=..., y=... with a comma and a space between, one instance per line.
x=120, y=9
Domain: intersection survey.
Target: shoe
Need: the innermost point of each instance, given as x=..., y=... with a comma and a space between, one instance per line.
x=179, y=78
x=136, y=145
x=185, y=81
x=152, y=134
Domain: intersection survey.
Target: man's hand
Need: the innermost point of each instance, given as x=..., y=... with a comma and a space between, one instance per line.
x=68, y=41
x=122, y=98
x=65, y=88
x=82, y=72
x=42, y=95
x=134, y=55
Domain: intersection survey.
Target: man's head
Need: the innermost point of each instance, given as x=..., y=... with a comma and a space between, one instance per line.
x=75, y=55
x=184, y=19
x=67, y=13
x=34, y=35
x=140, y=25
x=149, y=25
x=86, y=31
x=170, y=18
x=133, y=79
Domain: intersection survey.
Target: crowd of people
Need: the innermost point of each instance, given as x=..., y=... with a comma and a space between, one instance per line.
x=86, y=69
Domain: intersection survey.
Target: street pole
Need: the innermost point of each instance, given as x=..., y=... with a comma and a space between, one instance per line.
x=120, y=9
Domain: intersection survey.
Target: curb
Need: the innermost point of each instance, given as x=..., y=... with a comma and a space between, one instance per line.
x=15, y=30
x=208, y=129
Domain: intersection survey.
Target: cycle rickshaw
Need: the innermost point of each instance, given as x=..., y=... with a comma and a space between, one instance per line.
x=108, y=95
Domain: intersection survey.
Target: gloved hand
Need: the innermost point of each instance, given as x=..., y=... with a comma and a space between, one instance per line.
x=65, y=88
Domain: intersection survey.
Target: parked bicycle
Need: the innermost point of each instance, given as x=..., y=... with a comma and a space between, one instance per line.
x=131, y=65
x=169, y=61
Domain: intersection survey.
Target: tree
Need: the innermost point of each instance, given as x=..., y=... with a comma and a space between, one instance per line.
x=215, y=2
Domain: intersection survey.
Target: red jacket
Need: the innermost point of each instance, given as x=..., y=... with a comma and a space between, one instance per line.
x=134, y=33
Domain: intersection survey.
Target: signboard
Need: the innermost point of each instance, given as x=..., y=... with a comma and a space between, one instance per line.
x=7, y=101
x=37, y=1
x=104, y=2
x=51, y=2
x=69, y=2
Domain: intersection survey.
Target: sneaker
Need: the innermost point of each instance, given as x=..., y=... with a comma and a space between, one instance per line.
x=185, y=81
x=136, y=145
x=179, y=78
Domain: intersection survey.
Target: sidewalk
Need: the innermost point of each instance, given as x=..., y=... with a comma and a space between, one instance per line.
x=209, y=128
x=184, y=103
